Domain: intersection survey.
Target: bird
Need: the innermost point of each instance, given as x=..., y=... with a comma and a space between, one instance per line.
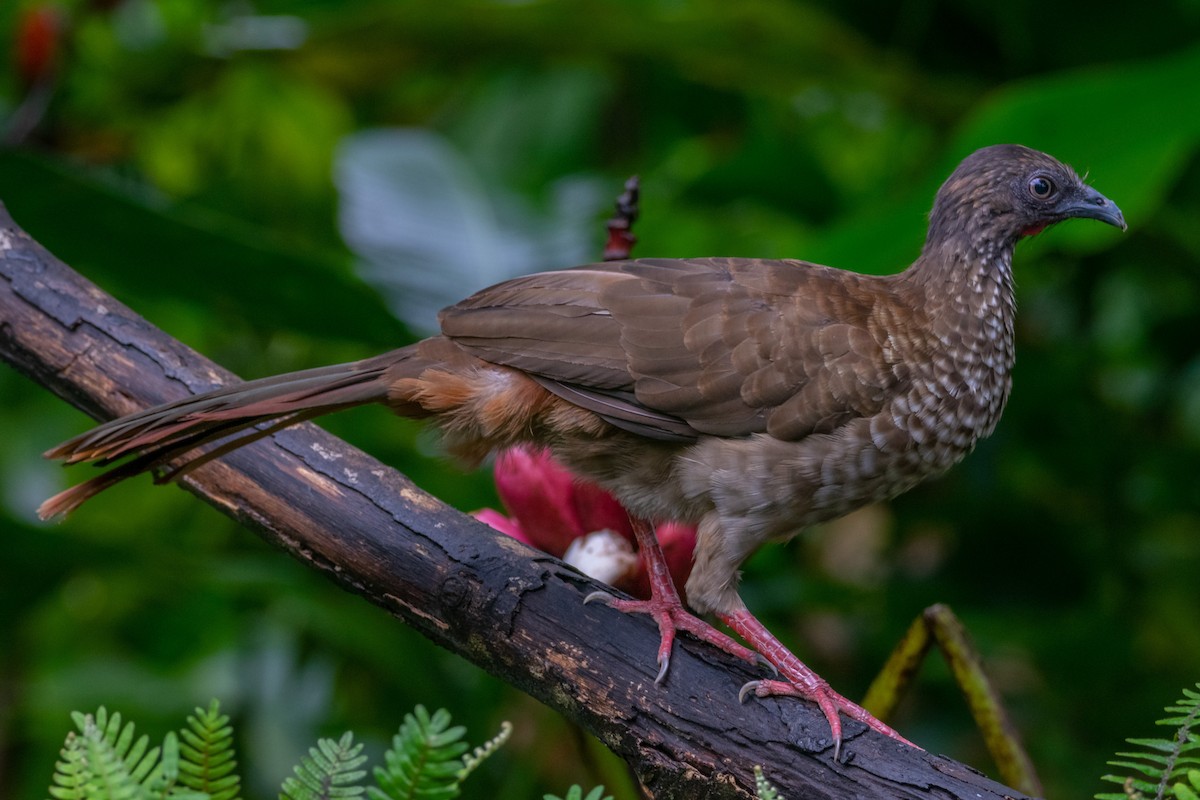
x=750, y=397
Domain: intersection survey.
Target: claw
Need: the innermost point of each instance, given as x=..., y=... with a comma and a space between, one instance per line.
x=663, y=663
x=599, y=596
x=800, y=681
x=748, y=687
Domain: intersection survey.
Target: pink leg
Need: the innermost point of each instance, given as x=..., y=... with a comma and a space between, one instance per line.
x=800, y=680
x=665, y=606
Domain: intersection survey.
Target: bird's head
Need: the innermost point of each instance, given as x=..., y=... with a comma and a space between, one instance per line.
x=1001, y=193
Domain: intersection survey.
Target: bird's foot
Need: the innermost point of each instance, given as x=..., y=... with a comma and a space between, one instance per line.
x=668, y=612
x=666, y=608
x=800, y=681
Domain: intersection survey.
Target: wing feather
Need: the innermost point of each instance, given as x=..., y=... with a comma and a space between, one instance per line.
x=677, y=348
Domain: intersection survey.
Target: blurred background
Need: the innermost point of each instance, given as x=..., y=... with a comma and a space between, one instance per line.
x=289, y=183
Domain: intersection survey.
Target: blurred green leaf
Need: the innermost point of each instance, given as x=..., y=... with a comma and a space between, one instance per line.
x=1083, y=118
x=140, y=248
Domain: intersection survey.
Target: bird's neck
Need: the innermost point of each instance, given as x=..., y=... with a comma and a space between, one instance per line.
x=968, y=279
x=966, y=292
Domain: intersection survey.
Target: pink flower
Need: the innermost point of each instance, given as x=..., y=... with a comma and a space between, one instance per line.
x=549, y=506
x=552, y=510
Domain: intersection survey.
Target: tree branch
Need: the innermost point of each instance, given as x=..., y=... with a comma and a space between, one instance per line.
x=515, y=612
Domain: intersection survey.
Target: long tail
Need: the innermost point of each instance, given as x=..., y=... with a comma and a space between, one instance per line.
x=159, y=435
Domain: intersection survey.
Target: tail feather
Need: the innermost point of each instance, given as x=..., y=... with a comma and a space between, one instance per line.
x=165, y=433
x=330, y=388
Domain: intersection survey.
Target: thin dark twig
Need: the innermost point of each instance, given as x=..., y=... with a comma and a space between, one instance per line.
x=620, y=228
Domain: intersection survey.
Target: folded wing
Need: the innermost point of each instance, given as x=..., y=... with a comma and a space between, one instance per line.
x=679, y=348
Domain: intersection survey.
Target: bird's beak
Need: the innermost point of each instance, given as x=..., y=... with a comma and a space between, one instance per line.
x=1090, y=204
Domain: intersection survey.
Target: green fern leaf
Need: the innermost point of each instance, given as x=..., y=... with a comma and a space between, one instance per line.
x=110, y=778
x=71, y=773
x=472, y=760
x=576, y=793
x=206, y=762
x=1183, y=791
x=104, y=761
x=1161, y=765
x=138, y=757
x=762, y=787
x=424, y=760
x=329, y=771
x=1112, y=796
x=1161, y=745
x=1130, y=784
x=160, y=782
x=118, y=766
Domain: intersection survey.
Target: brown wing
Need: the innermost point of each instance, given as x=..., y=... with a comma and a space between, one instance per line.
x=675, y=348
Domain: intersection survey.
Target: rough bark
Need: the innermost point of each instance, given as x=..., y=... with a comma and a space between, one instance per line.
x=515, y=612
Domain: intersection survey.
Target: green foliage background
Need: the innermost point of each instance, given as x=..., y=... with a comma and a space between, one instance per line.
x=187, y=167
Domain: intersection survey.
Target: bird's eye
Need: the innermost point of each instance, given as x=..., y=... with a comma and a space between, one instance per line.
x=1041, y=187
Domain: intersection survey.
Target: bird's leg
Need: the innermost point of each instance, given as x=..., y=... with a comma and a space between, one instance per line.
x=799, y=680
x=665, y=606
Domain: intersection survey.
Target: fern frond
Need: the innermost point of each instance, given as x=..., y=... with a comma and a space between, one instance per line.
x=137, y=755
x=473, y=759
x=103, y=761
x=1185, y=792
x=163, y=781
x=1162, y=766
x=71, y=773
x=206, y=760
x=576, y=793
x=762, y=787
x=106, y=760
x=424, y=760
x=330, y=770
x=110, y=778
